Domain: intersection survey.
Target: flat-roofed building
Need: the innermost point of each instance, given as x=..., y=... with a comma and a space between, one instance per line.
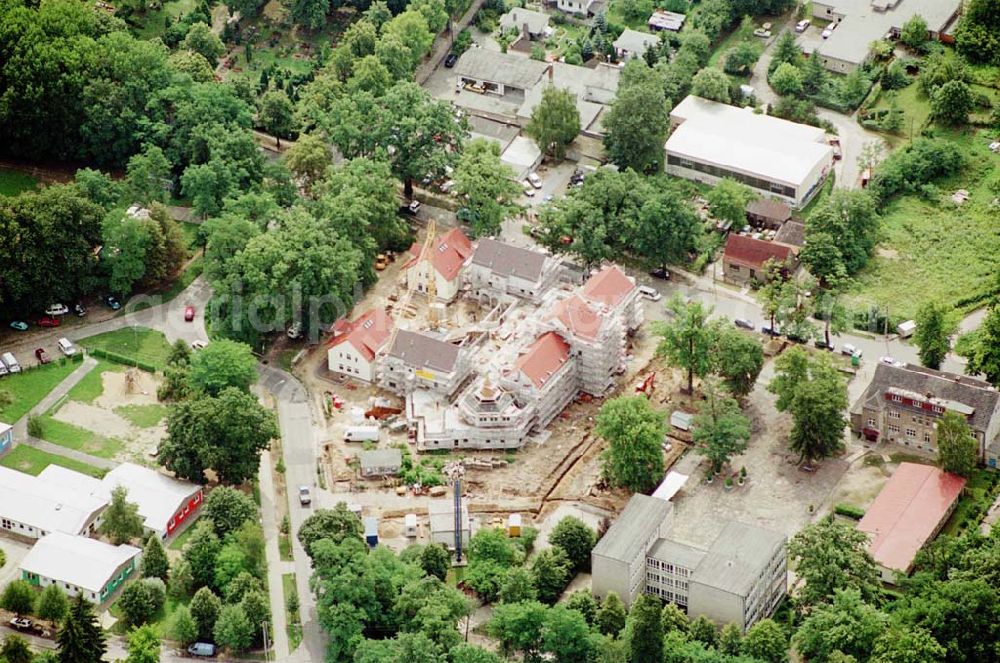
x=858, y=23
x=664, y=20
x=79, y=565
x=618, y=561
x=908, y=513
x=380, y=462
x=32, y=507
x=778, y=159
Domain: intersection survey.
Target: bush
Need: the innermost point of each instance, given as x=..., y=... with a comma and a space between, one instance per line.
x=849, y=511
x=34, y=426
x=141, y=600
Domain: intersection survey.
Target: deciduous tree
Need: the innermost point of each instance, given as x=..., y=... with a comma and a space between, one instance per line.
x=121, y=521
x=831, y=556
x=952, y=103
x=933, y=334
x=552, y=571
x=276, y=115
x=907, y=645
x=610, y=619
x=686, y=338
x=711, y=83
x=53, y=604
x=435, y=560
x=18, y=597
x=487, y=185
x=228, y=508
x=636, y=126
x=183, y=628
x=848, y=625
x=738, y=359
x=787, y=79
x=566, y=635
x=233, y=630
x=644, y=632
x=720, y=430
x=203, y=41
x=958, y=450
x=143, y=645
x=766, y=641
x=914, y=33
x=728, y=200
x=221, y=364
x=634, y=431
x=576, y=539
x=15, y=649
x=205, y=608
x=981, y=348
x=555, y=121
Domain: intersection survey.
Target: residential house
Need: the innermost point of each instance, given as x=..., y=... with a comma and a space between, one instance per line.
x=745, y=259
x=32, y=507
x=858, y=23
x=355, y=345
x=380, y=463
x=779, y=159
x=6, y=437
x=500, y=74
x=664, y=20
x=903, y=403
x=907, y=514
x=416, y=360
x=529, y=23
x=441, y=267
x=634, y=44
x=497, y=269
x=585, y=7
x=79, y=565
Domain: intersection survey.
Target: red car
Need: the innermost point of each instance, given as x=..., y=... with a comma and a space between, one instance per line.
x=48, y=321
x=42, y=356
x=188, y=313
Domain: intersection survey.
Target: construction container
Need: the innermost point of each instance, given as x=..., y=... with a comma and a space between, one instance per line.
x=906, y=329
x=371, y=531
x=514, y=524
x=681, y=420
x=361, y=434
x=410, y=525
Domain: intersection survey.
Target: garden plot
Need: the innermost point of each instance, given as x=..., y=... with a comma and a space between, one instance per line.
x=124, y=422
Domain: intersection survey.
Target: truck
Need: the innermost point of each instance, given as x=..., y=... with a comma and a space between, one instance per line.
x=361, y=434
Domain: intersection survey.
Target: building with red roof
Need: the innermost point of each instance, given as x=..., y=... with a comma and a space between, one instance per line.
x=909, y=512
x=447, y=256
x=543, y=359
x=578, y=318
x=608, y=287
x=745, y=258
x=355, y=344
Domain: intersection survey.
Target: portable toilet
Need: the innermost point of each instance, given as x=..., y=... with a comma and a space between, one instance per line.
x=371, y=531
x=410, y=525
x=514, y=524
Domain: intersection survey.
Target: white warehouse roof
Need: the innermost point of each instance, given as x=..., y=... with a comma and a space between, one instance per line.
x=48, y=506
x=87, y=563
x=740, y=140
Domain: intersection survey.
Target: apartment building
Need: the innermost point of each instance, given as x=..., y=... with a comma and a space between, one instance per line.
x=497, y=268
x=417, y=360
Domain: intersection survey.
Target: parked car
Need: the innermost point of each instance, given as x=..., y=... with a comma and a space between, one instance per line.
x=57, y=309
x=47, y=321
x=827, y=31
x=744, y=323
x=413, y=207
x=10, y=361
x=850, y=350
x=535, y=180
x=112, y=302
x=19, y=325
x=447, y=186
x=381, y=262
x=823, y=345
x=3, y=370
x=649, y=293
x=198, y=345
x=660, y=273
x=305, y=499
x=295, y=331
x=548, y=198
x=21, y=624
x=66, y=347
x=762, y=33
x=450, y=61
x=188, y=313
x=887, y=360
x=201, y=649
x=766, y=329
x=42, y=356
x=802, y=25
x=528, y=191
x=79, y=310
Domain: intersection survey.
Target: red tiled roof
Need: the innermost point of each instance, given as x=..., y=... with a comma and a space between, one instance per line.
x=754, y=252
x=608, y=287
x=578, y=317
x=545, y=356
x=448, y=253
x=907, y=513
x=367, y=334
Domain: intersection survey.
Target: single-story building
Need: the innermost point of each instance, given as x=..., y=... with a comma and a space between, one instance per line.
x=664, y=20
x=534, y=25
x=79, y=565
x=355, y=344
x=907, y=514
x=522, y=156
x=498, y=73
x=745, y=258
x=164, y=503
x=380, y=463
x=6, y=437
x=634, y=44
x=858, y=23
x=771, y=214
x=32, y=507
x=779, y=159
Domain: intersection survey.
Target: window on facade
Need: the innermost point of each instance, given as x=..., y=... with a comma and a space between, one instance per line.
x=910, y=432
x=893, y=428
x=871, y=423
x=894, y=415
x=927, y=437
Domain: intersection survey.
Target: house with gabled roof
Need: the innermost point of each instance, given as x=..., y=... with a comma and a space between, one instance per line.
x=498, y=268
x=79, y=566
x=448, y=253
x=418, y=360
x=745, y=258
x=355, y=344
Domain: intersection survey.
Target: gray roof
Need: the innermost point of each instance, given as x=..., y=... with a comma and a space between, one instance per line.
x=770, y=209
x=500, y=132
x=977, y=394
x=441, y=516
x=512, y=70
x=423, y=351
x=665, y=20
x=508, y=260
x=737, y=557
x=377, y=458
x=518, y=17
x=635, y=42
x=792, y=233
x=627, y=535
x=675, y=552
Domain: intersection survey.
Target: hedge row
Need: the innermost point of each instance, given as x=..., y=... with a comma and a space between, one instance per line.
x=122, y=359
x=849, y=511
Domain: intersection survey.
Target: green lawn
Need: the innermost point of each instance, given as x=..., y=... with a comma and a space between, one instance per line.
x=978, y=496
x=31, y=386
x=182, y=538
x=79, y=439
x=13, y=182
x=153, y=21
x=915, y=105
x=161, y=620
x=142, y=416
x=140, y=343
x=293, y=621
x=285, y=547
x=933, y=251
x=190, y=232
x=32, y=461
x=91, y=386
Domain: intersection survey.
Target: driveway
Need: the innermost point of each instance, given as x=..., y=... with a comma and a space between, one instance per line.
x=14, y=551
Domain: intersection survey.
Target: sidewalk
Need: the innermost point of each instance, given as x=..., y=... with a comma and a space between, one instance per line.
x=275, y=567
x=443, y=44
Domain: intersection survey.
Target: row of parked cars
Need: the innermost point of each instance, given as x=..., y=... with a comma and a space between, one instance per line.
x=9, y=363
x=52, y=315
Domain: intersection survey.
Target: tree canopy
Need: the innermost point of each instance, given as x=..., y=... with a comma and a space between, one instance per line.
x=634, y=432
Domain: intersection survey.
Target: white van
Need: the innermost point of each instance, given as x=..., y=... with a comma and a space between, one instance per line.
x=10, y=362
x=66, y=347
x=649, y=293
x=361, y=434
